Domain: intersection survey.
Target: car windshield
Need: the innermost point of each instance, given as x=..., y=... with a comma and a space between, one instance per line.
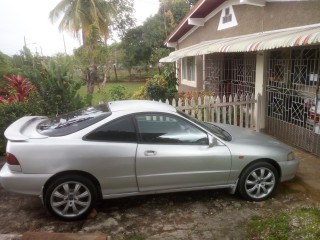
x=217, y=131
x=74, y=121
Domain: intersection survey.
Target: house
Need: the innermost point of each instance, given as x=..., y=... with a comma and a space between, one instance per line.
x=268, y=48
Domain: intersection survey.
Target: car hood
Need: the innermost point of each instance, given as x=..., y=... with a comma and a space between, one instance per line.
x=251, y=138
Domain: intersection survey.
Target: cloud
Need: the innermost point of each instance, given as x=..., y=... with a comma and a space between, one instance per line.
x=30, y=20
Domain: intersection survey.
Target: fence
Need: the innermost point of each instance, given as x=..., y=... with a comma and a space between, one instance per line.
x=235, y=110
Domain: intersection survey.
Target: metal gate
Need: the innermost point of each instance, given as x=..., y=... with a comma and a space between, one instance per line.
x=293, y=97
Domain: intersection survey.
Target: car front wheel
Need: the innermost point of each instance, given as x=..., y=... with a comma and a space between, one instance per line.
x=258, y=181
x=70, y=197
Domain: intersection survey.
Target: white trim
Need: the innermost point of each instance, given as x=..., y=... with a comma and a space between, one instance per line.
x=186, y=19
x=259, y=3
x=172, y=44
x=220, y=8
x=230, y=24
x=189, y=83
x=207, y=18
x=196, y=21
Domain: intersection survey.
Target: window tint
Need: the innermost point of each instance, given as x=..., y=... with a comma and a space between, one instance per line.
x=74, y=121
x=169, y=129
x=119, y=130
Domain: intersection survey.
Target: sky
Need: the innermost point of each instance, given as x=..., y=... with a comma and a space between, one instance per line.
x=29, y=19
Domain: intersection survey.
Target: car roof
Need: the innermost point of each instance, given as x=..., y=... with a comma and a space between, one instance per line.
x=140, y=105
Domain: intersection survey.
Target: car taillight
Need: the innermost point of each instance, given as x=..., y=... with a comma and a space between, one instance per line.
x=11, y=159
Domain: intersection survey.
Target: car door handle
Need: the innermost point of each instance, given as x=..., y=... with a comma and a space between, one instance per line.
x=150, y=153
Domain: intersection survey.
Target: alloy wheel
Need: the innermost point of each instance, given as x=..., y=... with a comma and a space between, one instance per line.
x=70, y=199
x=260, y=183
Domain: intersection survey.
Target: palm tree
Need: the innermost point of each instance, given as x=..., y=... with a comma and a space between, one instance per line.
x=80, y=16
x=91, y=18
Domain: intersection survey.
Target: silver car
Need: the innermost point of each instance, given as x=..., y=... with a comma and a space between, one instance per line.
x=128, y=148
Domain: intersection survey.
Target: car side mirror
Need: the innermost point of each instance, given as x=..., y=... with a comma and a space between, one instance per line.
x=212, y=141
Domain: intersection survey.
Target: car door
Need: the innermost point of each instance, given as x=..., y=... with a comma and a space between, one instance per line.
x=112, y=150
x=173, y=153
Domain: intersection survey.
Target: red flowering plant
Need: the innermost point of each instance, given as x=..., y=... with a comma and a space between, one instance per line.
x=17, y=88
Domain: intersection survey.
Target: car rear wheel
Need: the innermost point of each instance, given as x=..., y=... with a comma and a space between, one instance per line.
x=258, y=181
x=70, y=197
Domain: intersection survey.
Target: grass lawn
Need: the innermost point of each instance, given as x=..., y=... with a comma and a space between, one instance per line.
x=301, y=223
x=103, y=93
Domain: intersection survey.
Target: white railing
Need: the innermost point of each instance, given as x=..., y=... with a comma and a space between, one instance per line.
x=235, y=110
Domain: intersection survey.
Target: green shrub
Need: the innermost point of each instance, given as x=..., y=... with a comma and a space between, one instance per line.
x=58, y=89
x=156, y=88
x=12, y=111
x=54, y=80
x=162, y=86
x=118, y=92
x=141, y=93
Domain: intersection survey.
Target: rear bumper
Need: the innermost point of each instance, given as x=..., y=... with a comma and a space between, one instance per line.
x=289, y=169
x=22, y=183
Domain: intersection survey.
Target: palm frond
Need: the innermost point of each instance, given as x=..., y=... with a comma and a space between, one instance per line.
x=59, y=10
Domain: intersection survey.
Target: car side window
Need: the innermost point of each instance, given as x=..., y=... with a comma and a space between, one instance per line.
x=119, y=130
x=168, y=129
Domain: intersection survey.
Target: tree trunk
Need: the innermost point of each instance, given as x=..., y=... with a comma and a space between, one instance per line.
x=105, y=78
x=91, y=78
x=130, y=75
x=115, y=72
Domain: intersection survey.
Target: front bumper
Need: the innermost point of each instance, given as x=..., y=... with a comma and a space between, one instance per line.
x=22, y=183
x=289, y=169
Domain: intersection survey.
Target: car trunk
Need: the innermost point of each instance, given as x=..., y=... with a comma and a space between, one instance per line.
x=24, y=128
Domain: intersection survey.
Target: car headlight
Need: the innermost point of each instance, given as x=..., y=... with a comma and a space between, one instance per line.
x=290, y=156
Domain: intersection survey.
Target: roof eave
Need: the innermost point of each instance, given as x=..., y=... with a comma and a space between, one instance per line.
x=188, y=21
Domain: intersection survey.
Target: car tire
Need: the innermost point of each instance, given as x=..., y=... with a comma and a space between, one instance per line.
x=70, y=197
x=258, y=181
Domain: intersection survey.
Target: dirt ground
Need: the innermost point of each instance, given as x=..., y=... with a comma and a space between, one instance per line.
x=213, y=214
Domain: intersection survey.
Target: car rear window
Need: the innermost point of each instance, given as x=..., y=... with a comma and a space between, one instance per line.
x=74, y=121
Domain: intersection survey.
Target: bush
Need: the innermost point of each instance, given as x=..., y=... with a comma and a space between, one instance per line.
x=54, y=80
x=194, y=94
x=118, y=92
x=141, y=93
x=12, y=111
x=160, y=87
x=156, y=88
x=58, y=89
x=16, y=88
x=54, y=89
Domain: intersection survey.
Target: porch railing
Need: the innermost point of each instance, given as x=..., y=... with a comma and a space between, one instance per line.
x=235, y=110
